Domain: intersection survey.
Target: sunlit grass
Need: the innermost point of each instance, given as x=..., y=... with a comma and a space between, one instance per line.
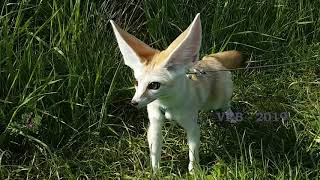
x=64, y=90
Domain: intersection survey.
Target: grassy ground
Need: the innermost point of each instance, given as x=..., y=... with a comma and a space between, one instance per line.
x=64, y=90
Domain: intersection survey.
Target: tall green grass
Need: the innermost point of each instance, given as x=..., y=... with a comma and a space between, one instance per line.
x=64, y=90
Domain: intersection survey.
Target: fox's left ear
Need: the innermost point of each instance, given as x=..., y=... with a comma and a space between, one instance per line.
x=135, y=52
x=184, y=50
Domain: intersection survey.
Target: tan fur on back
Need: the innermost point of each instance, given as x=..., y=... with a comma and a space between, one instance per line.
x=229, y=59
x=217, y=84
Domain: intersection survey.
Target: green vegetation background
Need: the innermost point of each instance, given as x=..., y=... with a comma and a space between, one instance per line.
x=64, y=90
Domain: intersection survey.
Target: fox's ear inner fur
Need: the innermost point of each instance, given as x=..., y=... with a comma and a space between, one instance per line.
x=134, y=51
x=184, y=50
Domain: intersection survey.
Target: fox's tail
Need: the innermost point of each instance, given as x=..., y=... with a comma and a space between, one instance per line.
x=229, y=59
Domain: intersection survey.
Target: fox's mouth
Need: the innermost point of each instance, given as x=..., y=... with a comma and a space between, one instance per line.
x=144, y=103
x=141, y=105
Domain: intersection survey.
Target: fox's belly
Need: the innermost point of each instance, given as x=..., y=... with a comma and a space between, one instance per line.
x=216, y=88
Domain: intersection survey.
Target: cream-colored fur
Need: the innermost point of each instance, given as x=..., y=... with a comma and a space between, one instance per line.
x=174, y=95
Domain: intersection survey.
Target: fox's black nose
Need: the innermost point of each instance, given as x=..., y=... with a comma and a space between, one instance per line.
x=134, y=103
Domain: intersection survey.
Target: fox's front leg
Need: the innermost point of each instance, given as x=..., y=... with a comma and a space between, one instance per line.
x=154, y=135
x=193, y=134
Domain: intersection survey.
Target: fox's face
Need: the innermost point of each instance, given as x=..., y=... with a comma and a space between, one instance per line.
x=156, y=72
x=151, y=85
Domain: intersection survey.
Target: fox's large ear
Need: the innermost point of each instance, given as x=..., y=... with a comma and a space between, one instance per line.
x=134, y=51
x=184, y=50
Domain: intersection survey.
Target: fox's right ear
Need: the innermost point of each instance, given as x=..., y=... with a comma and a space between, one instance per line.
x=134, y=51
x=184, y=50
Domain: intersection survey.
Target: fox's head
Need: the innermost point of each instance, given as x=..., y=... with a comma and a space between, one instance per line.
x=156, y=72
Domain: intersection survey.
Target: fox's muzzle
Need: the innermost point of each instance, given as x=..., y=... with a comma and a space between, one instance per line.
x=134, y=103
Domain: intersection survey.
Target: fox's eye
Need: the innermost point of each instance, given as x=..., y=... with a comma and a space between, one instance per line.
x=154, y=85
x=135, y=83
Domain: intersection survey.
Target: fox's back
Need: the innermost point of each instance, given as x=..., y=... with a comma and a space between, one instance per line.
x=215, y=82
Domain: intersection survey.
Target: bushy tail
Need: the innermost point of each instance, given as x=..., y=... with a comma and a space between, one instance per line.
x=229, y=59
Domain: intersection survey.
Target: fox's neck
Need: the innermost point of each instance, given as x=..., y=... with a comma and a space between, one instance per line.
x=179, y=93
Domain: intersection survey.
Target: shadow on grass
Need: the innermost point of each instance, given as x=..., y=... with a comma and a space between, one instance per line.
x=270, y=146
